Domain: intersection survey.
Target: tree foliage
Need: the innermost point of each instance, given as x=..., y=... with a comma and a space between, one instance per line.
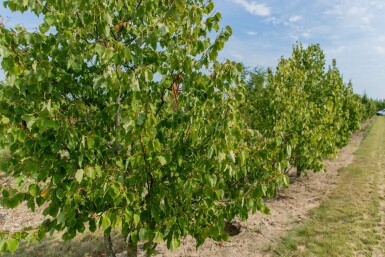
x=306, y=107
x=117, y=114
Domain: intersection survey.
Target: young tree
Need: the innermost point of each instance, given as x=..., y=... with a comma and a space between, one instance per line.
x=310, y=110
x=117, y=114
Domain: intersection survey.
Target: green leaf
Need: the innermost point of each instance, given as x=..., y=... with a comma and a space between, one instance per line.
x=29, y=119
x=45, y=124
x=148, y=75
x=34, y=190
x=288, y=150
x=90, y=143
x=265, y=210
x=158, y=237
x=135, y=84
x=249, y=204
x=59, y=193
x=175, y=243
x=61, y=218
x=136, y=219
x=278, y=141
x=209, y=7
x=162, y=160
x=106, y=222
x=231, y=156
x=90, y=172
x=12, y=244
x=142, y=234
x=221, y=156
x=239, y=67
x=79, y=175
x=4, y=120
x=8, y=64
x=162, y=29
x=286, y=180
x=141, y=118
x=49, y=20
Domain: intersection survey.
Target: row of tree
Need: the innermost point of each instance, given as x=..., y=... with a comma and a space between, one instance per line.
x=380, y=104
x=117, y=114
x=306, y=106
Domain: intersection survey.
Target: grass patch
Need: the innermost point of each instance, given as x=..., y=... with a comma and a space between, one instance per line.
x=350, y=221
x=369, y=127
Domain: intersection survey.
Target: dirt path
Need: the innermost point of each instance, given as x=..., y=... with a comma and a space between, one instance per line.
x=290, y=208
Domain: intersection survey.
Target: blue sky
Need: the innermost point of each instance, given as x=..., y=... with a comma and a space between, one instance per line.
x=353, y=32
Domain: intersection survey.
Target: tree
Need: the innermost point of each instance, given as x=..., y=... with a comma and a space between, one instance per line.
x=306, y=108
x=117, y=114
x=368, y=105
x=254, y=80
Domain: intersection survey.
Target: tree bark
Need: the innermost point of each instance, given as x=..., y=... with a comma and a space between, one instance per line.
x=132, y=249
x=299, y=172
x=108, y=245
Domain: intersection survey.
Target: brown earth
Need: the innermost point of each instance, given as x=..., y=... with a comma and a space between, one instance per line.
x=257, y=233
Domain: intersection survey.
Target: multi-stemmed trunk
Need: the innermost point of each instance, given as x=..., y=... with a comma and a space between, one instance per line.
x=108, y=245
x=132, y=248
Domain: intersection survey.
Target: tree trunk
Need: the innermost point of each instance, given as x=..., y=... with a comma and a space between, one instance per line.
x=299, y=172
x=108, y=245
x=132, y=249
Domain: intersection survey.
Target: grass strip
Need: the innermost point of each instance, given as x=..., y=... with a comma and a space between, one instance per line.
x=351, y=221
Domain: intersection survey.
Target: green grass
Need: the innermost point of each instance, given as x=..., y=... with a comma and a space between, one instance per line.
x=351, y=221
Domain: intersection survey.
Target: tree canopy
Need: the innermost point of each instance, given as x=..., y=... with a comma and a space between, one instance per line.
x=117, y=114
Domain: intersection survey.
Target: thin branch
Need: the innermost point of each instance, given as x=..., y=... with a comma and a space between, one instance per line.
x=161, y=103
x=147, y=168
x=117, y=120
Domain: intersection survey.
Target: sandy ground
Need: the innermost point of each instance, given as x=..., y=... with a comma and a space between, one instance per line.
x=257, y=233
x=20, y=217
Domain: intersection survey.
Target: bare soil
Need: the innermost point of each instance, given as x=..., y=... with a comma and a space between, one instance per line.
x=257, y=234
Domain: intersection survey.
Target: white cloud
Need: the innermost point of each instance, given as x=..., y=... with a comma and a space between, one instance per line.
x=295, y=18
x=251, y=33
x=380, y=49
x=254, y=7
x=356, y=10
x=355, y=13
x=333, y=52
x=275, y=21
x=381, y=39
x=362, y=12
x=306, y=34
x=237, y=56
x=351, y=31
